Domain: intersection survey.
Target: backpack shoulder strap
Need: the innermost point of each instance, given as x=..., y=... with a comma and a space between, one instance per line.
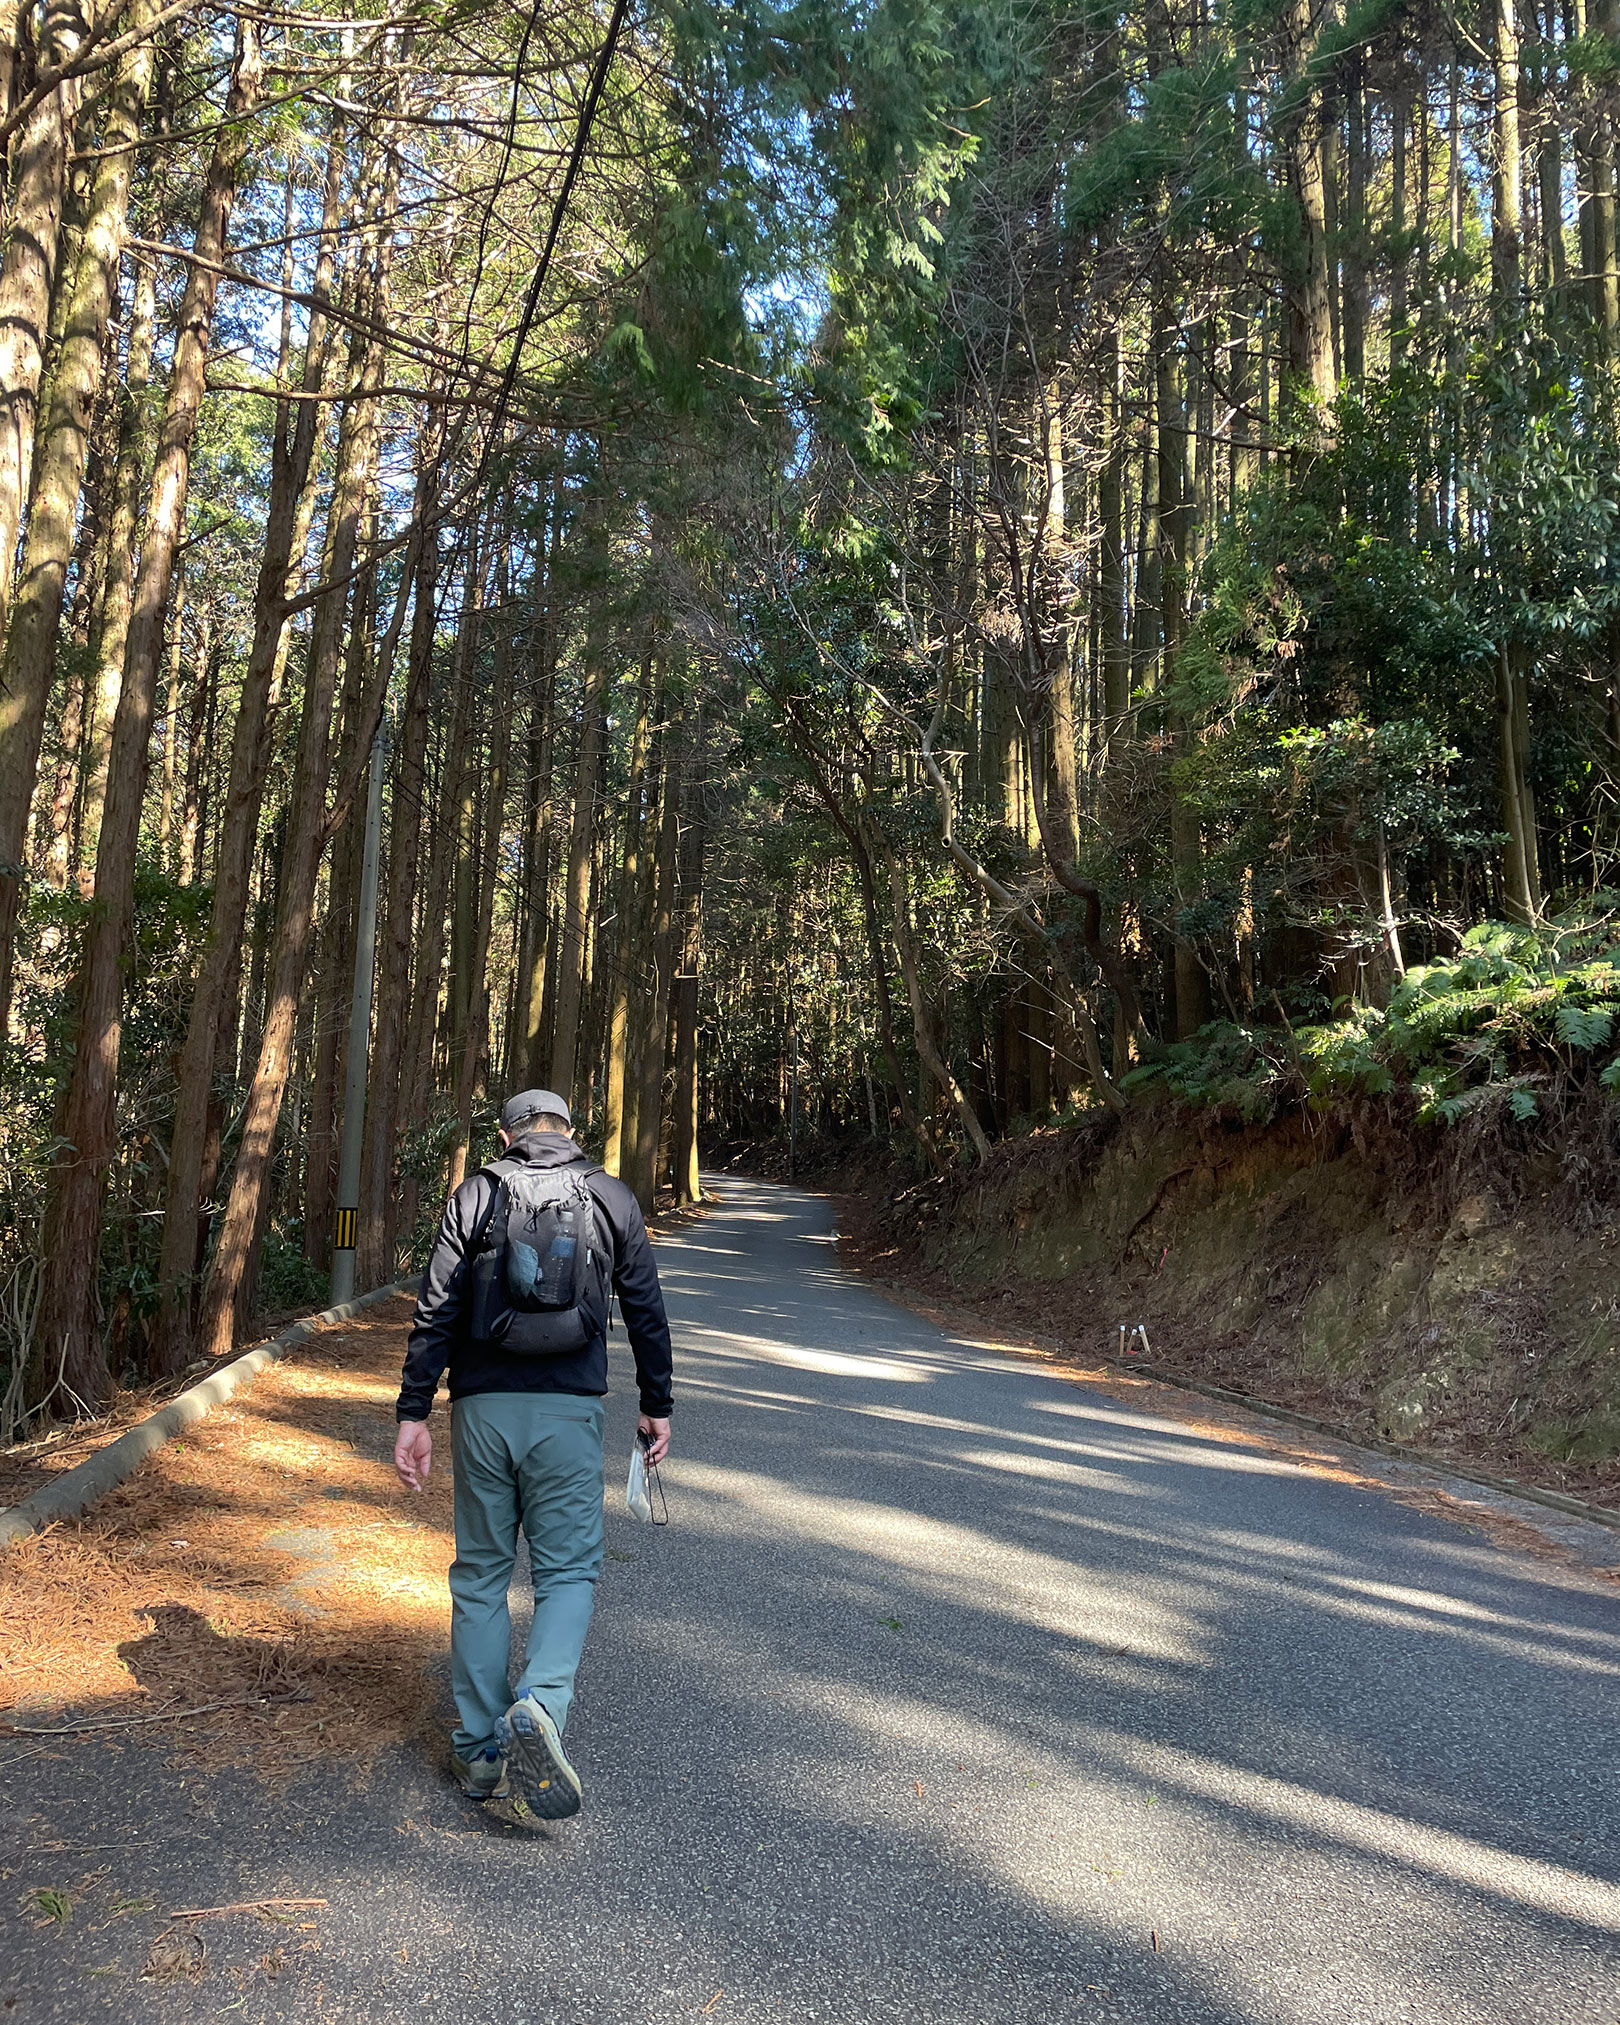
x=490, y=1173
x=583, y=1177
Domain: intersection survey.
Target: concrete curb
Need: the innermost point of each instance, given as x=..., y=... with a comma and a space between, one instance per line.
x=1399, y=1451
x=77, y=1489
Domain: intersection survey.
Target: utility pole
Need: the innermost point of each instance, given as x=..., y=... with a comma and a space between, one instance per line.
x=354, y=1080
x=793, y=1118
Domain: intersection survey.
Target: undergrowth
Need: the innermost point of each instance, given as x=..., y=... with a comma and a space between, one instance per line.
x=1497, y=1024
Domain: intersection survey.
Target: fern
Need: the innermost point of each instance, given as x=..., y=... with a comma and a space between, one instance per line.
x=1223, y=1066
x=1584, y=1027
x=1490, y=1024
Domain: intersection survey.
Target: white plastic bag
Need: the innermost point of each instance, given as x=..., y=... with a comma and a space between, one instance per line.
x=635, y=1491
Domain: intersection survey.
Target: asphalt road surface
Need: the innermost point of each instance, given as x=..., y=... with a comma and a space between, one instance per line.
x=954, y=1693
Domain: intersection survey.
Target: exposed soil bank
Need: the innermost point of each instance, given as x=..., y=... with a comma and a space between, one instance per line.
x=1457, y=1291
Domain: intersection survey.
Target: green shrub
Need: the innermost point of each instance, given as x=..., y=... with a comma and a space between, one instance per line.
x=1511, y=1011
x=286, y=1277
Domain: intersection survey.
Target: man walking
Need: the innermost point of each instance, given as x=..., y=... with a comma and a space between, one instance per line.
x=515, y=1301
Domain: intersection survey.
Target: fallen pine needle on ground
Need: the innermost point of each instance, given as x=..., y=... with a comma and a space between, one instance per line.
x=260, y=1591
x=250, y=1905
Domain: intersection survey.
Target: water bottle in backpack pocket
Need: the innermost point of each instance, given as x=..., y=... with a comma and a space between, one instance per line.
x=537, y=1263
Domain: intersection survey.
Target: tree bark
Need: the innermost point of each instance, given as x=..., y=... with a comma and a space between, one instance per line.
x=332, y=993
x=1400, y=116
x=377, y=1203
x=576, y=892
x=297, y=426
x=419, y=1085
x=626, y=947
x=1605, y=276
x=194, y=830
x=684, y=1176
x=1116, y=652
x=530, y=1052
x=172, y=777
x=641, y=1171
x=27, y=278
x=476, y=1038
x=28, y=267
x=1310, y=294
x=1520, y=872
x=69, y=1317
x=135, y=449
x=420, y=1080
x=1507, y=220
x=1192, y=986
x=1356, y=297
x=1550, y=180
x=461, y=983
x=229, y=1283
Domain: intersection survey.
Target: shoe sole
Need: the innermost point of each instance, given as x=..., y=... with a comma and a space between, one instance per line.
x=549, y=1785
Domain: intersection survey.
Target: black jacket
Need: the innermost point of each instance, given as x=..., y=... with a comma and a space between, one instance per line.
x=439, y=1334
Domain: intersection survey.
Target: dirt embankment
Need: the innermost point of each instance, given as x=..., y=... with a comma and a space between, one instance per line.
x=1460, y=1291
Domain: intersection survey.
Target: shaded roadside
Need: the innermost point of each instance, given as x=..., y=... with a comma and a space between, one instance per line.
x=1421, y=1304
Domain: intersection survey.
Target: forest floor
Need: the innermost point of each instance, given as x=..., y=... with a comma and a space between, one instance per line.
x=259, y=1570
x=62, y=1445
x=1046, y=1692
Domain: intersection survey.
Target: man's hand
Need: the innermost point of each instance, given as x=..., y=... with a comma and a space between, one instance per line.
x=413, y=1453
x=657, y=1433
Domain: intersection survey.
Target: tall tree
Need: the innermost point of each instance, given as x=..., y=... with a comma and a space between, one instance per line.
x=69, y=1300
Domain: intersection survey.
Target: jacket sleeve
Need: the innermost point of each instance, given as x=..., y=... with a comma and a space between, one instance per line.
x=641, y=1303
x=440, y=1300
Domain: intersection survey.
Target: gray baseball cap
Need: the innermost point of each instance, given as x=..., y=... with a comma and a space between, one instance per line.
x=527, y=1103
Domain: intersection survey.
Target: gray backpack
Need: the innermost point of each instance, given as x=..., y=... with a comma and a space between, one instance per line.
x=537, y=1260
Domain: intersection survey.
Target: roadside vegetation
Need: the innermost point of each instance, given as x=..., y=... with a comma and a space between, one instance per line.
x=1514, y=1018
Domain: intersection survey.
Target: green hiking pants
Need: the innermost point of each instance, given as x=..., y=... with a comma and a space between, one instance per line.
x=529, y=1459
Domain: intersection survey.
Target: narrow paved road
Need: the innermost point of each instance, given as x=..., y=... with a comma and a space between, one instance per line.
x=955, y=1693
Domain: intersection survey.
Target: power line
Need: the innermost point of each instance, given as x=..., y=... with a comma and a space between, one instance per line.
x=531, y=305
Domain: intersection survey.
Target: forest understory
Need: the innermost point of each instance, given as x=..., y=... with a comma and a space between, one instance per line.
x=1456, y=1292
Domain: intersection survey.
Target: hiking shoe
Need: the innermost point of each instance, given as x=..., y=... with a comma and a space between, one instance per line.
x=533, y=1747
x=482, y=1777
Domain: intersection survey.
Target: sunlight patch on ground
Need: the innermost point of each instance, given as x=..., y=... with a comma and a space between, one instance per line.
x=1085, y=1831
x=841, y=1364
x=831, y=1363
x=1439, y=1852
x=1455, y=1606
x=956, y=1563
x=1048, y=1469
x=262, y=1546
